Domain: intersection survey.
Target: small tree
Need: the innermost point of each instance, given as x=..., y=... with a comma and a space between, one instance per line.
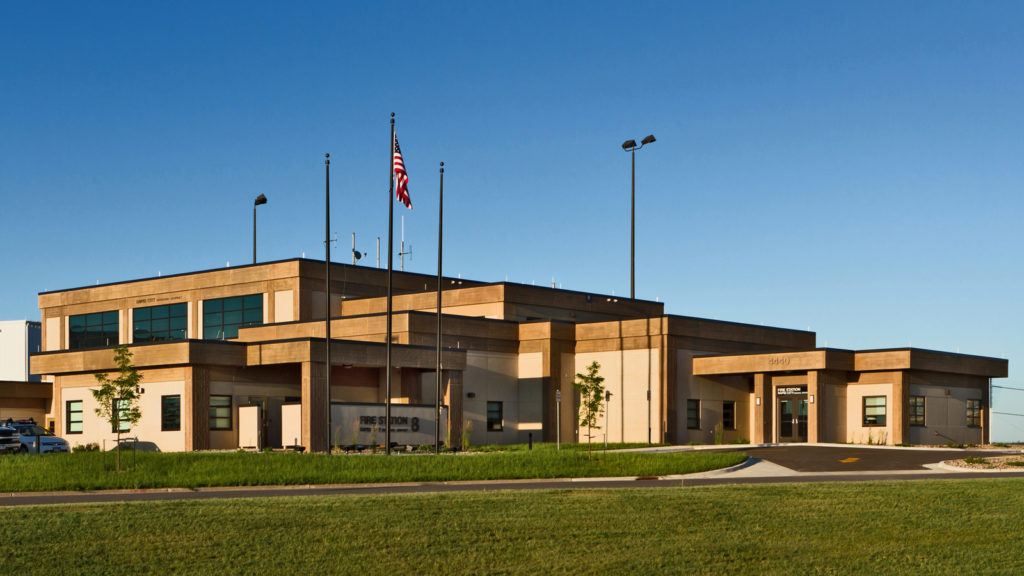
x=592, y=399
x=118, y=399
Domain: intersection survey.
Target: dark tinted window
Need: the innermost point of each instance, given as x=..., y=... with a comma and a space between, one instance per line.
x=93, y=330
x=222, y=317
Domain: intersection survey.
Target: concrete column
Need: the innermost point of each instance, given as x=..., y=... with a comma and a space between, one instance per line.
x=814, y=388
x=898, y=411
x=762, y=431
x=314, y=406
x=196, y=408
x=453, y=398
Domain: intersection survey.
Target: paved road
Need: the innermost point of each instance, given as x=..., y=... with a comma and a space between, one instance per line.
x=779, y=464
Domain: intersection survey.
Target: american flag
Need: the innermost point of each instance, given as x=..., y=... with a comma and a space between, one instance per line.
x=401, y=178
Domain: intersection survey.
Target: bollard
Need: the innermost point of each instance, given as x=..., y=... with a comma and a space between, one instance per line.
x=38, y=443
x=531, y=440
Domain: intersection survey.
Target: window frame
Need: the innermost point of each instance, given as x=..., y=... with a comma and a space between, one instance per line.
x=68, y=421
x=230, y=412
x=694, y=422
x=93, y=327
x=164, y=413
x=726, y=425
x=495, y=424
x=175, y=311
x=885, y=411
x=221, y=307
x=913, y=417
x=974, y=412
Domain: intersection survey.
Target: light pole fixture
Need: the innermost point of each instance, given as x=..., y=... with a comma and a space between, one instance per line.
x=261, y=199
x=631, y=147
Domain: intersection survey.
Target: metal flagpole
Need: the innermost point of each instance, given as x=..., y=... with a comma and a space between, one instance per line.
x=327, y=291
x=437, y=396
x=387, y=355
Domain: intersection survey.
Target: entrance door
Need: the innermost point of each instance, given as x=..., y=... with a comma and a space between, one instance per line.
x=793, y=418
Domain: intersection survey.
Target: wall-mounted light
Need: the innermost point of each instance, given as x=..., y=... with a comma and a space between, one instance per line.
x=757, y=401
x=811, y=398
x=470, y=394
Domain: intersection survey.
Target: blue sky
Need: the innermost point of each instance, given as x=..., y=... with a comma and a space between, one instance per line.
x=852, y=168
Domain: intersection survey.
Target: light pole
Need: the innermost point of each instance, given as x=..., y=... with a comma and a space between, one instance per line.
x=261, y=199
x=631, y=147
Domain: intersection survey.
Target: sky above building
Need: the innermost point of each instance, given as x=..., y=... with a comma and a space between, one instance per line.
x=850, y=168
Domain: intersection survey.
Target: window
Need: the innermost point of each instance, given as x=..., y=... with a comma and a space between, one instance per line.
x=170, y=413
x=223, y=317
x=494, y=416
x=159, y=323
x=729, y=415
x=974, y=413
x=220, y=412
x=916, y=413
x=874, y=410
x=93, y=330
x=121, y=414
x=693, y=414
x=73, y=417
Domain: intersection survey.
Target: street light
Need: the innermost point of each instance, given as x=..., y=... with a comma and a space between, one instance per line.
x=631, y=147
x=261, y=199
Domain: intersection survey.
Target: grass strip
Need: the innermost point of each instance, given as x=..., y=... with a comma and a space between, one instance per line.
x=908, y=527
x=93, y=470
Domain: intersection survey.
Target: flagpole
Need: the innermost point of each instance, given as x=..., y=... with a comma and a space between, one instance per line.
x=437, y=395
x=387, y=347
x=327, y=290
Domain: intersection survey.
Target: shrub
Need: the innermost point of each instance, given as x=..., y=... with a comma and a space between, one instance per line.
x=90, y=447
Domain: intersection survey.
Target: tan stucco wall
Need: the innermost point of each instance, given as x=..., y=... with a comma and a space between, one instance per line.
x=95, y=429
x=627, y=376
x=856, y=432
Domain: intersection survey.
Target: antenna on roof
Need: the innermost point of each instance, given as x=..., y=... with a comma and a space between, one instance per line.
x=401, y=250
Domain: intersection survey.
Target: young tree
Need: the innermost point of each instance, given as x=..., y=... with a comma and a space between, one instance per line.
x=592, y=399
x=118, y=399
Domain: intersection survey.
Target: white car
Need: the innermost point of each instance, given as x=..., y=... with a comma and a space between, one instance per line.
x=9, y=440
x=29, y=433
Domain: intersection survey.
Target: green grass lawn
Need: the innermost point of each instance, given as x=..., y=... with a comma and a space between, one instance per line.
x=909, y=527
x=92, y=470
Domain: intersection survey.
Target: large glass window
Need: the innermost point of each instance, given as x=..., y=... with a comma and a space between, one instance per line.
x=170, y=413
x=159, y=323
x=93, y=330
x=916, y=412
x=974, y=413
x=729, y=415
x=494, y=416
x=73, y=417
x=693, y=414
x=220, y=412
x=222, y=317
x=121, y=416
x=874, y=410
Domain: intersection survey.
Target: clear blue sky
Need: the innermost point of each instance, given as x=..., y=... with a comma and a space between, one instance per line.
x=852, y=168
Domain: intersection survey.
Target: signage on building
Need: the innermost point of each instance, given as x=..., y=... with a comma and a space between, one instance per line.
x=358, y=423
x=791, y=390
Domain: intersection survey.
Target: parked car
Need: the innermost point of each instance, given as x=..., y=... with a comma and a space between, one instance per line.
x=9, y=440
x=29, y=432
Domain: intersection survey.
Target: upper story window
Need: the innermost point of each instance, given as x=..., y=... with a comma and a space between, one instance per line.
x=222, y=317
x=93, y=330
x=159, y=323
